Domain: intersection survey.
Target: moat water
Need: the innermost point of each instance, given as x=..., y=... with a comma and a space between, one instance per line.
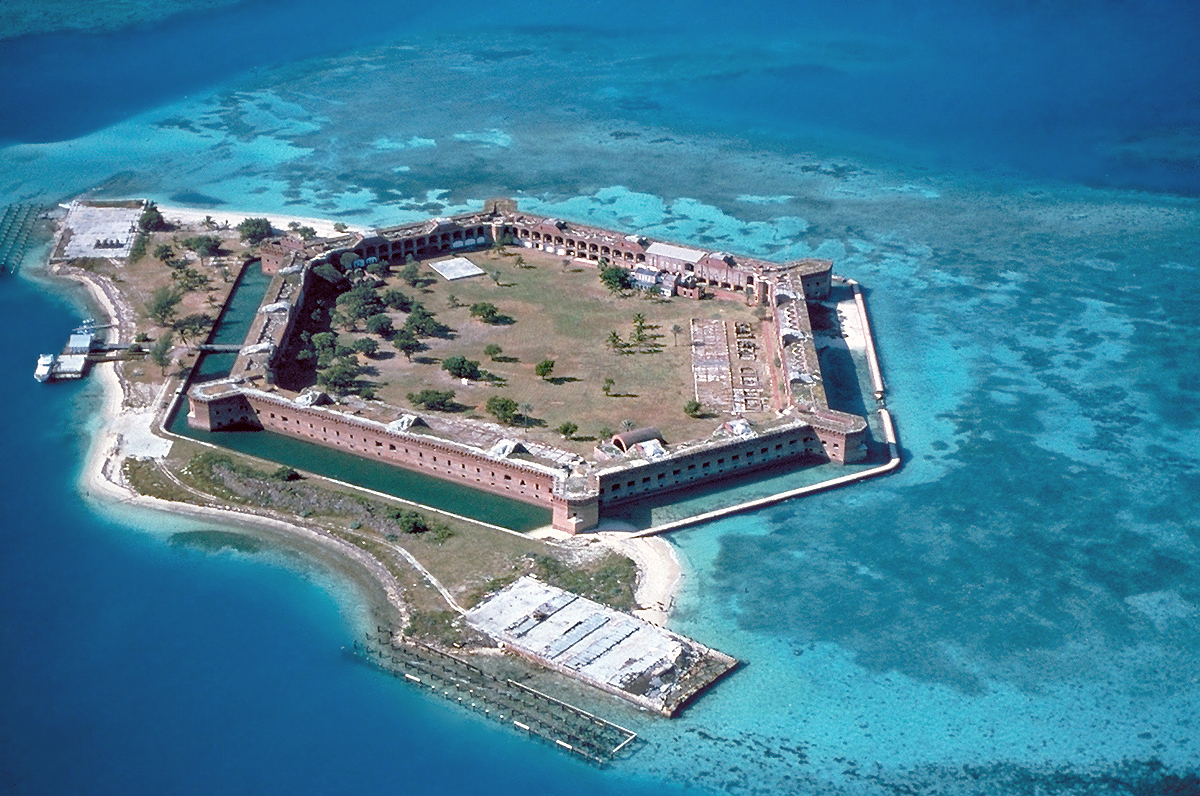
x=232, y=327
x=1016, y=611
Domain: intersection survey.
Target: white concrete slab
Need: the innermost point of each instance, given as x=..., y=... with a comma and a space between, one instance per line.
x=456, y=268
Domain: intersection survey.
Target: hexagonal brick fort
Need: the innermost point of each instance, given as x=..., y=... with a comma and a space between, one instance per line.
x=631, y=466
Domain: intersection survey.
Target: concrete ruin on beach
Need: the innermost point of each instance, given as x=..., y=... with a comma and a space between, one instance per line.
x=621, y=654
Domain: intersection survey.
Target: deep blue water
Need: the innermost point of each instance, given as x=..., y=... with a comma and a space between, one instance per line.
x=1015, y=612
x=135, y=666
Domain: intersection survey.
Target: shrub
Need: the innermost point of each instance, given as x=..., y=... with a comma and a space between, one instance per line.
x=437, y=400
x=151, y=219
x=254, y=230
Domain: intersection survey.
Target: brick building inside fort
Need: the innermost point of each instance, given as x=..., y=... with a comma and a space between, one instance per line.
x=576, y=490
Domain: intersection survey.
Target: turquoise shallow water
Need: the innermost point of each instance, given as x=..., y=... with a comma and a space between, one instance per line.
x=1014, y=612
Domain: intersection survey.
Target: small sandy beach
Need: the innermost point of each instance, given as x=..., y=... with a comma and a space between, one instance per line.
x=187, y=216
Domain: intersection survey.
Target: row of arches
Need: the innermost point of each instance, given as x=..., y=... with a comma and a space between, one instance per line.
x=572, y=247
x=427, y=245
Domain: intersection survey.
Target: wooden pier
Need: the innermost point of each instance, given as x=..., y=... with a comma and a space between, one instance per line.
x=517, y=706
x=16, y=231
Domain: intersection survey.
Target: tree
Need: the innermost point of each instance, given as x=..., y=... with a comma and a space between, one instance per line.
x=193, y=325
x=461, y=368
x=209, y=222
x=410, y=273
x=331, y=274
x=567, y=429
x=254, y=230
x=485, y=311
x=526, y=413
x=161, y=306
x=544, y=368
x=692, y=408
x=340, y=226
x=397, y=300
x=163, y=252
x=492, y=350
x=628, y=425
x=339, y=377
x=422, y=323
x=381, y=325
x=616, y=279
x=379, y=268
x=676, y=330
x=520, y=261
x=151, y=219
x=160, y=352
x=323, y=341
x=306, y=233
x=285, y=473
x=614, y=341
x=407, y=343
x=503, y=409
x=608, y=385
x=437, y=400
x=366, y=345
x=359, y=303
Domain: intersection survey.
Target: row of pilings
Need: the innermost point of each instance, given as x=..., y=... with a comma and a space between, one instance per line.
x=506, y=701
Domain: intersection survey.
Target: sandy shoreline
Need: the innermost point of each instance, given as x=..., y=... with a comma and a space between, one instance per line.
x=192, y=217
x=128, y=429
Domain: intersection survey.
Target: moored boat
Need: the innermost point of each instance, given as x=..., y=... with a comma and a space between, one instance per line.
x=45, y=365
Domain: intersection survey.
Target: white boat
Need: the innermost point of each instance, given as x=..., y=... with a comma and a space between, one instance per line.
x=44, y=366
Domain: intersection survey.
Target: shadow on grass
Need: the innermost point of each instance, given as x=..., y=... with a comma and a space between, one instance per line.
x=561, y=379
x=505, y=359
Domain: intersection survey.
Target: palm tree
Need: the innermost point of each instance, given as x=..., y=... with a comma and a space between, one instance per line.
x=526, y=409
x=628, y=425
x=614, y=340
x=608, y=385
x=676, y=330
